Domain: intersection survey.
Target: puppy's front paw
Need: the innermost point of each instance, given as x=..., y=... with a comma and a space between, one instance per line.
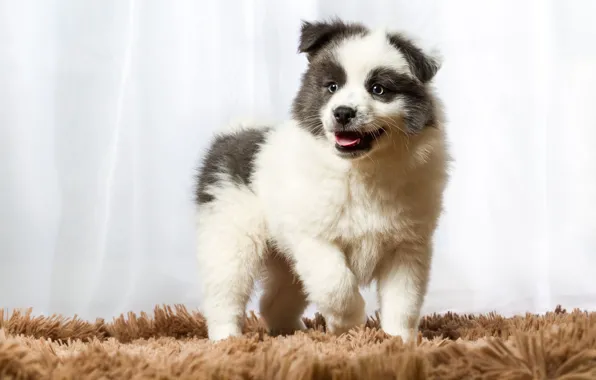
x=223, y=331
x=339, y=323
x=338, y=326
x=396, y=330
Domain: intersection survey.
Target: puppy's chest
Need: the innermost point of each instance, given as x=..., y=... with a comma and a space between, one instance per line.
x=361, y=218
x=367, y=227
x=362, y=212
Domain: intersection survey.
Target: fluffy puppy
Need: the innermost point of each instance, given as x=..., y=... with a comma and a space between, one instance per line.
x=347, y=192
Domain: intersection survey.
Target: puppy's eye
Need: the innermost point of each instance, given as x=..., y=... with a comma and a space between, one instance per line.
x=332, y=87
x=377, y=89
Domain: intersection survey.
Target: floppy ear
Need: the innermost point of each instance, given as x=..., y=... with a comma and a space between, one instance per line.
x=423, y=66
x=315, y=35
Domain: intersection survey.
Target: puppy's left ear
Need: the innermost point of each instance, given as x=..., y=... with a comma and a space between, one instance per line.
x=315, y=35
x=423, y=66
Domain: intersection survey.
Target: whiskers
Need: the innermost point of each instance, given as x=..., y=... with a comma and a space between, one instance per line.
x=391, y=126
x=312, y=124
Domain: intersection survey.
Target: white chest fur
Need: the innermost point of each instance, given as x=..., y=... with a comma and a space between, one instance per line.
x=305, y=191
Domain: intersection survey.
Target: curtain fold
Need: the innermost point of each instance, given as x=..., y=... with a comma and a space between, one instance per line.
x=106, y=108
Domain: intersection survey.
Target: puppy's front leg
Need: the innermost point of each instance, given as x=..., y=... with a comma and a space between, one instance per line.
x=329, y=283
x=402, y=285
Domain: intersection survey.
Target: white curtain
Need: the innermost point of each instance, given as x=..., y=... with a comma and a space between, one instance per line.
x=106, y=107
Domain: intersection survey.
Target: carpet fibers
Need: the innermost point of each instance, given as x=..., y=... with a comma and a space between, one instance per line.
x=171, y=344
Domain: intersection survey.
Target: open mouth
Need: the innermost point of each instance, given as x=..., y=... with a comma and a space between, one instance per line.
x=356, y=142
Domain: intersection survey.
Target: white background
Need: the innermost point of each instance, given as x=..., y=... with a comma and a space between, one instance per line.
x=106, y=107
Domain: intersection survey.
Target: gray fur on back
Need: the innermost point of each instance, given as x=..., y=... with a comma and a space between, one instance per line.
x=230, y=157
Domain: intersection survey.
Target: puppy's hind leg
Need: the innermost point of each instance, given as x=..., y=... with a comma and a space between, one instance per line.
x=283, y=301
x=231, y=244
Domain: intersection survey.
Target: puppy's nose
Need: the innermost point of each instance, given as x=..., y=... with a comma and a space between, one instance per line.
x=344, y=114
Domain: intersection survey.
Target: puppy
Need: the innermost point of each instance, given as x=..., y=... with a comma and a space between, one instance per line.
x=347, y=192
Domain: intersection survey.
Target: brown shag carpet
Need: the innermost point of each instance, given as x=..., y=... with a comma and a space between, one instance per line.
x=171, y=344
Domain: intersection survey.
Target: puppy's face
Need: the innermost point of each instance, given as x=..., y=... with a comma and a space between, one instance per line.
x=361, y=86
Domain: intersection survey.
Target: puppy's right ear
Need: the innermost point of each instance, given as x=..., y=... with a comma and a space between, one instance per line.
x=315, y=35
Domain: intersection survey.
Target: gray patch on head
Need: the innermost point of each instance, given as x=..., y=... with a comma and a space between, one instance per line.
x=313, y=93
x=419, y=113
x=394, y=83
x=317, y=36
x=421, y=65
x=317, y=40
x=232, y=155
x=418, y=104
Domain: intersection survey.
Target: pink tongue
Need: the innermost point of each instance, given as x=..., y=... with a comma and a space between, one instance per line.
x=346, y=139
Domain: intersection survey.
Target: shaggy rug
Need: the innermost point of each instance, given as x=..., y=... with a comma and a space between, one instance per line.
x=171, y=344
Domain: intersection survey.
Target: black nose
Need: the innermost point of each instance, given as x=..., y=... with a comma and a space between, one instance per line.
x=344, y=114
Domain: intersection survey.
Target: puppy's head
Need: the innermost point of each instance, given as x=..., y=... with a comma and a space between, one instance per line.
x=361, y=86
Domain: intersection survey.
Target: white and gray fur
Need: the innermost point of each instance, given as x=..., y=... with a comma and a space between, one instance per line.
x=312, y=219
